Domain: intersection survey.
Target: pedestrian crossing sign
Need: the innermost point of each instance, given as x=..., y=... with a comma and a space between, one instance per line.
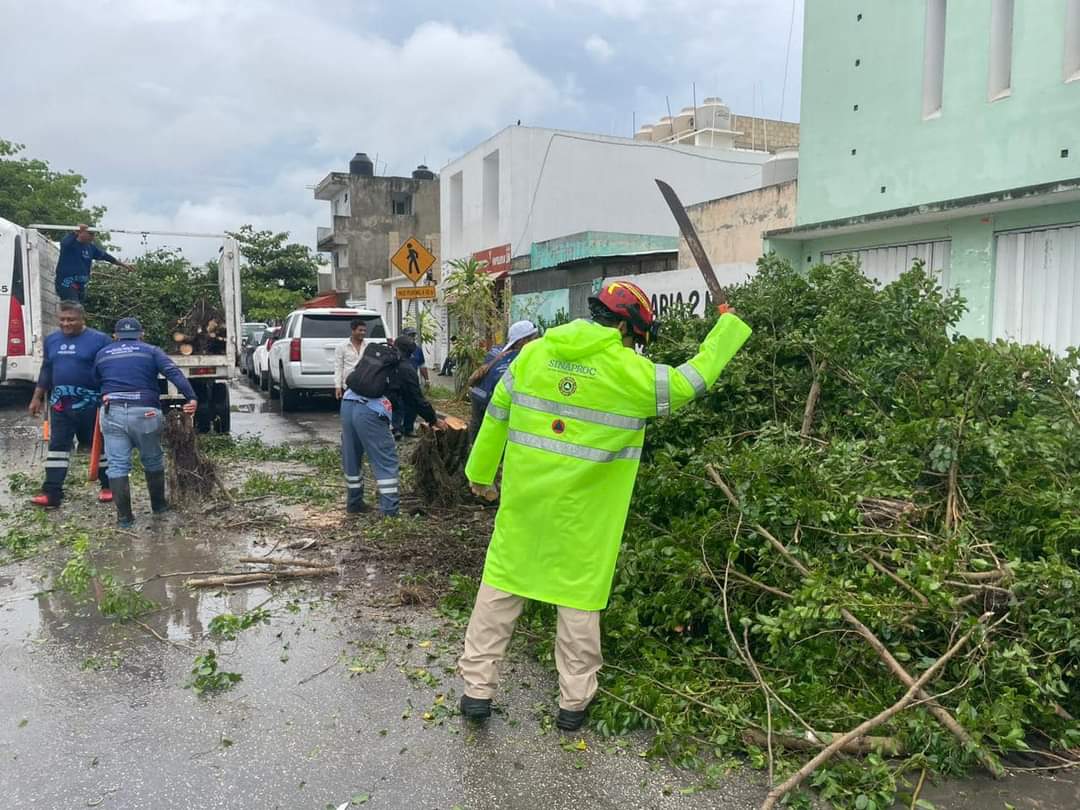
x=412, y=259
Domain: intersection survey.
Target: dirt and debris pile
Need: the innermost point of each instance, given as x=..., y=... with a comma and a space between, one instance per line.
x=867, y=518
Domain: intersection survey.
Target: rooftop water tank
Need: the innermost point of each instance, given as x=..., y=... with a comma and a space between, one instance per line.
x=713, y=114
x=780, y=168
x=422, y=172
x=662, y=130
x=644, y=133
x=684, y=121
x=361, y=165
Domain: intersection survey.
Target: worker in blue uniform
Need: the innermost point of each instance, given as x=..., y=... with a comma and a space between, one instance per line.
x=127, y=371
x=67, y=379
x=77, y=256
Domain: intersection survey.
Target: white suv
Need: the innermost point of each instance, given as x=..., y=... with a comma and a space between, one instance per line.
x=302, y=358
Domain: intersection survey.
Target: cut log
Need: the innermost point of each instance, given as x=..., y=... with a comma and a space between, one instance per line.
x=202, y=328
x=439, y=461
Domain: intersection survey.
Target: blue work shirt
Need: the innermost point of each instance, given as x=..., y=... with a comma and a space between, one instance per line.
x=67, y=370
x=76, y=259
x=418, y=357
x=486, y=386
x=127, y=371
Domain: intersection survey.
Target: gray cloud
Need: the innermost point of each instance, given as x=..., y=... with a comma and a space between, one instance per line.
x=206, y=114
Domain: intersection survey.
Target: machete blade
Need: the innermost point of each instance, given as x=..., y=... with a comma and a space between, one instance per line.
x=691, y=237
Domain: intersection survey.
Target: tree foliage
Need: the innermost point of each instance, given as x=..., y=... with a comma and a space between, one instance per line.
x=276, y=276
x=470, y=302
x=32, y=192
x=976, y=445
x=162, y=288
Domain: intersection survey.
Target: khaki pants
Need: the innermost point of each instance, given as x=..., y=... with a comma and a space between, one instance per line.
x=577, y=647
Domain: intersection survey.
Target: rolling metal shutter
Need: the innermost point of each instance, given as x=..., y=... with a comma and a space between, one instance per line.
x=885, y=264
x=1037, y=287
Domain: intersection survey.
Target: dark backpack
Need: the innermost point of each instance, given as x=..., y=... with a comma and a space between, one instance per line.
x=371, y=377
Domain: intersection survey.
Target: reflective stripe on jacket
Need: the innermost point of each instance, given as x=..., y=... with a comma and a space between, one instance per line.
x=567, y=421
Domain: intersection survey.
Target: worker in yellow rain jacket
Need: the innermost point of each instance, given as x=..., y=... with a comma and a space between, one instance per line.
x=570, y=415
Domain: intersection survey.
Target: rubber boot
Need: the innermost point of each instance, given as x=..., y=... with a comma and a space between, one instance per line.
x=121, y=490
x=155, y=482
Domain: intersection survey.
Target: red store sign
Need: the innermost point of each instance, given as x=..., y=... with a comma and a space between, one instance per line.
x=497, y=258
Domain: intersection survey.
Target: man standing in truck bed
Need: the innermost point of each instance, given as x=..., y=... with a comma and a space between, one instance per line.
x=77, y=255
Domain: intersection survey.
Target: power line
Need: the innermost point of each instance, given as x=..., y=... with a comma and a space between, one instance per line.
x=787, y=58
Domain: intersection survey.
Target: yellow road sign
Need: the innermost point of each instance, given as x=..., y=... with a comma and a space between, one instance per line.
x=412, y=259
x=425, y=293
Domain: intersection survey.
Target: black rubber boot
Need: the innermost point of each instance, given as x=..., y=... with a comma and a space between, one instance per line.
x=155, y=482
x=477, y=709
x=571, y=721
x=121, y=490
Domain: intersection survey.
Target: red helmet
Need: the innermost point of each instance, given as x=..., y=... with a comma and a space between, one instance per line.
x=628, y=302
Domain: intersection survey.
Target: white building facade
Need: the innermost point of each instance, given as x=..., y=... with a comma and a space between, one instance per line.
x=526, y=185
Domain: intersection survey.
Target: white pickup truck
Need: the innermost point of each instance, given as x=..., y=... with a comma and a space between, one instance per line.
x=28, y=312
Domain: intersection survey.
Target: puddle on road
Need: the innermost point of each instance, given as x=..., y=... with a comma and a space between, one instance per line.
x=28, y=613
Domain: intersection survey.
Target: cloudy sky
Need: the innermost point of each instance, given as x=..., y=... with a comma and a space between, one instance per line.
x=204, y=115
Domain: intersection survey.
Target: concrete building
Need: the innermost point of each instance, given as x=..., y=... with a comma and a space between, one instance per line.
x=564, y=209
x=948, y=131
x=370, y=217
x=712, y=124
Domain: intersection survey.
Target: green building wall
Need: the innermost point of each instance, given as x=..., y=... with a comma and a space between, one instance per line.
x=971, y=266
x=974, y=146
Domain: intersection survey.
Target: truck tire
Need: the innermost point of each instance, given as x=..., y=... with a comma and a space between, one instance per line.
x=264, y=381
x=221, y=416
x=271, y=389
x=204, y=414
x=290, y=398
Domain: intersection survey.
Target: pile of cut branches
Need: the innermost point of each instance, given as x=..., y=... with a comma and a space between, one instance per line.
x=856, y=559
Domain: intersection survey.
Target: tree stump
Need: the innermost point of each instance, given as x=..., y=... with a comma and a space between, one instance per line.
x=192, y=475
x=439, y=461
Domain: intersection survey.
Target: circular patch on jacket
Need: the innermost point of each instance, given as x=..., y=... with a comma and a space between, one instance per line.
x=558, y=426
x=567, y=386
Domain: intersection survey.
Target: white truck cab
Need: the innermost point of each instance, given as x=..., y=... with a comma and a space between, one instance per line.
x=302, y=358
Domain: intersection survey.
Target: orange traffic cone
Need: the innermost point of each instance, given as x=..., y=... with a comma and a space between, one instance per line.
x=95, y=448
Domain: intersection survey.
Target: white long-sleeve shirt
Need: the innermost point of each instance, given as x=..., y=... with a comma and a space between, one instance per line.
x=346, y=356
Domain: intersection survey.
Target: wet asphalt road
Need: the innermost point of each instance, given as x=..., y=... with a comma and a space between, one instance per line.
x=331, y=706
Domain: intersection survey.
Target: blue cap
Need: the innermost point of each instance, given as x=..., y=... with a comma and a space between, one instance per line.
x=128, y=328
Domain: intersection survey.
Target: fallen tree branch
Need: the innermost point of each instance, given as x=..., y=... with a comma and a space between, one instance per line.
x=812, y=399
x=257, y=577
x=286, y=561
x=896, y=578
x=866, y=726
x=861, y=746
x=989, y=761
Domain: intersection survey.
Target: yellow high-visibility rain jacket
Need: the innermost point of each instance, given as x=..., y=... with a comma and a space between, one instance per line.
x=570, y=413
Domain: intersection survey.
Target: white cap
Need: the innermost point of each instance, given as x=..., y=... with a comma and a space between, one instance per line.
x=519, y=330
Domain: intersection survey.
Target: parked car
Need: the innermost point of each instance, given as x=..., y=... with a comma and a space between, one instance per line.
x=248, y=350
x=302, y=359
x=260, y=358
x=248, y=334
